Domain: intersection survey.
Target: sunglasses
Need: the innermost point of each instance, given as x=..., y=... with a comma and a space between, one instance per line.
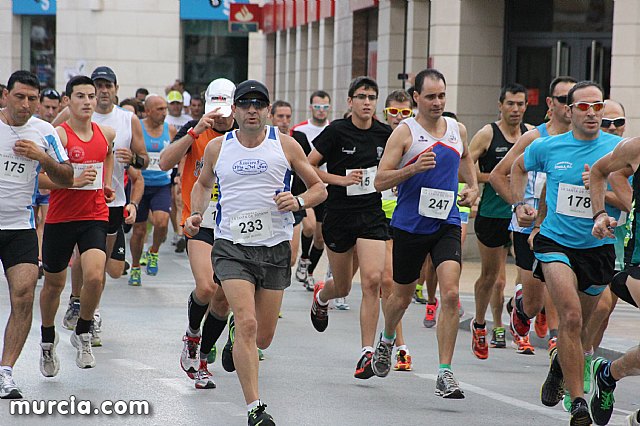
x=561, y=99
x=256, y=103
x=51, y=94
x=362, y=97
x=618, y=122
x=405, y=112
x=584, y=106
x=321, y=107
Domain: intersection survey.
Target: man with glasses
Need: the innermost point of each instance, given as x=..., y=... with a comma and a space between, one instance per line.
x=354, y=219
x=575, y=265
x=49, y=105
x=312, y=241
x=530, y=299
x=251, y=253
x=488, y=146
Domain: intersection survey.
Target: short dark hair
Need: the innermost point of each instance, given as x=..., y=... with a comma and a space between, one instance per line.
x=319, y=94
x=137, y=105
x=143, y=91
x=398, y=96
x=558, y=80
x=24, y=77
x=50, y=94
x=582, y=85
x=78, y=80
x=196, y=97
x=411, y=90
x=512, y=88
x=362, y=81
x=450, y=115
x=431, y=73
x=279, y=104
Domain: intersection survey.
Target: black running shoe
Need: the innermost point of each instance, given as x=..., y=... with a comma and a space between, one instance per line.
x=552, y=390
x=227, y=352
x=319, y=313
x=259, y=417
x=602, y=399
x=580, y=413
x=363, y=369
x=181, y=245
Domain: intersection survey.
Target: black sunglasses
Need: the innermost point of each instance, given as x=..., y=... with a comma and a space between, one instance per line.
x=618, y=122
x=562, y=98
x=256, y=103
x=51, y=94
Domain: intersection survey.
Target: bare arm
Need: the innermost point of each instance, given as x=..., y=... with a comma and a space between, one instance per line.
x=316, y=192
x=201, y=192
x=478, y=146
x=61, y=117
x=138, y=146
x=351, y=179
x=60, y=173
x=110, y=135
x=524, y=212
x=137, y=189
x=388, y=174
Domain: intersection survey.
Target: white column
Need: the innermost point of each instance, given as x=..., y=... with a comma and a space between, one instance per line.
x=342, y=57
x=390, y=47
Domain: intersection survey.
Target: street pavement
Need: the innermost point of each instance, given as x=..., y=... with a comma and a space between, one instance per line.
x=306, y=378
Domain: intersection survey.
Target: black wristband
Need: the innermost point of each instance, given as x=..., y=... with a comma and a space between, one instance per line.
x=134, y=205
x=595, y=216
x=139, y=161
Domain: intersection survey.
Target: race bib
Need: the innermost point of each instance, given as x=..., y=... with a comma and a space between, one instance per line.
x=389, y=195
x=209, y=216
x=435, y=203
x=541, y=179
x=154, y=161
x=366, y=185
x=17, y=169
x=574, y=200
x=251, y=226
x=78, y=168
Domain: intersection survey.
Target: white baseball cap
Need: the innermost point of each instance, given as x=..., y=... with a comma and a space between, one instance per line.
x=219, y=94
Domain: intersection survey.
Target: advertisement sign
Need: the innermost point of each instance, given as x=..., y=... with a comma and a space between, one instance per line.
x=34, y=7
x=209, y=10
x=244, y=18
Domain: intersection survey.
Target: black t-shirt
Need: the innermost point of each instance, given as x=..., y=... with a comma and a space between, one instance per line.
x=344, y=146
x=298, y=186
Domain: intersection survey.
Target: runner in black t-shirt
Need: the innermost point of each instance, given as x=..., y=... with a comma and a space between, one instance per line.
x=354, y=218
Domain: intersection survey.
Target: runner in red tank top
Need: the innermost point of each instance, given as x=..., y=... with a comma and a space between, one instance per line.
x=78, y=216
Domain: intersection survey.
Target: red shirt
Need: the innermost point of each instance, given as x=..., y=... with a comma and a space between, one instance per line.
x=70, y=205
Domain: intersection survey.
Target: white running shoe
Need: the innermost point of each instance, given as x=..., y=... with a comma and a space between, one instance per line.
x=8, y=387
x=73, y=312
x=84, y=354
x=96, y=330
x=302, y=269
x=203, y=379
x=341, y=304
x=49, y=361
x=190, y=358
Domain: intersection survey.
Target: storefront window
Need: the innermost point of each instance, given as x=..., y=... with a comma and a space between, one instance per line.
x=211, y=51
x=39, y=47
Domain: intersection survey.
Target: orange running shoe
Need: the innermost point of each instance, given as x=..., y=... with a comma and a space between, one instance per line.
x=479, y=345
x=523, y=346
x=403, y=361
x=540, y=324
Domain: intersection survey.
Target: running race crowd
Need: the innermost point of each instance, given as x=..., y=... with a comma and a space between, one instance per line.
x=80, y=169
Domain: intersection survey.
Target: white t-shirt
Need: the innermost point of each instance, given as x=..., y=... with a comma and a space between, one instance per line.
x=19, y=175
x=186, y=98
x=311, y=130
x=178, y=122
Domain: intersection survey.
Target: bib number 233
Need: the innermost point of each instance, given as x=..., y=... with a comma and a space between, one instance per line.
x=251, y=226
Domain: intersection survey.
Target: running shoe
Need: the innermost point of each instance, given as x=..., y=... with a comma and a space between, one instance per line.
x=381, y=361
x=553, y=387
x=587, y=373
x=181, y=245
x=479, y=341
x=447, y=386
x=498, y=338
x=310, y=283
x=175, y=239
x=152, y=265
x=144, y=258
x=127, y=266
x=260, y=355
x=364, y=369
x=523, y=345
x=227, y=352
x=540, y=324
x=96, y=330
x=259, y=417
x=602, y=399
x=203, y=378
x=8, y=387
x=633, y=419
x=580, y=413
x=49, y=361
x=212, y=355
x=341, y=304
x=460, y=309
x=135, y=279
x=552, y=343
x=84, y=354
x=73, y=312
x=566, y=401
x=418, y=297
x=519, y=323
x=319, y=313
x=189, y=360
x=302, y=269
x=429, y=320
x=403, y=361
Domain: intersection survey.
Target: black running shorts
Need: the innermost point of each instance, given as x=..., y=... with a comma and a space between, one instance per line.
x=492, y=232
x=18, y=246
x=60, y=239
x=342, y=229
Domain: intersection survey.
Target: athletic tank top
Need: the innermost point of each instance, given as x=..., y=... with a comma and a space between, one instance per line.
x=632, y=240
x=86, y=203
x=193, y=162
x=153, y=176
x=120, y=120
x=535, y=183
x=428, y=200
x=491, y=205
x=248, y=178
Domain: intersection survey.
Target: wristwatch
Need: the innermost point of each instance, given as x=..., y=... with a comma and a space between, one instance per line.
x=300, y=201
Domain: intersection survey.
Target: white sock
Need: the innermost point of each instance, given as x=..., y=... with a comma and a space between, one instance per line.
x=403, y=348
x=320, y=302
x=253, y=405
